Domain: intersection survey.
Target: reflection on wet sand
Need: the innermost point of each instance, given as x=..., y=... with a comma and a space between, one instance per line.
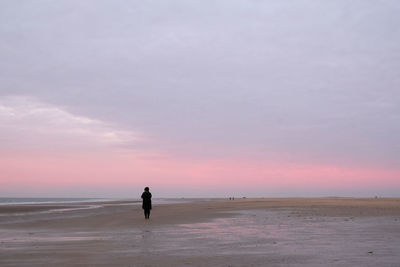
x=317, y=239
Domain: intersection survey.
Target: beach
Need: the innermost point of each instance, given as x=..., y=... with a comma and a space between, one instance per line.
x=204, y=232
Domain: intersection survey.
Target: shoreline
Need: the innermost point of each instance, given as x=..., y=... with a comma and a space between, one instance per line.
x=128, y=213
x=237, y=203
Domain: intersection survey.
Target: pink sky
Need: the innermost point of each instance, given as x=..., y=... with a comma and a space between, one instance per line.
x=121, y=174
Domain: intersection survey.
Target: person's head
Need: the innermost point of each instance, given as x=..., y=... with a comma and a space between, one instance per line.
x=146, y=189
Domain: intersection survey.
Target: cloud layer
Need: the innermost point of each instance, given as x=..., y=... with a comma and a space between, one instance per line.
x=305, y=82
x=27, y=124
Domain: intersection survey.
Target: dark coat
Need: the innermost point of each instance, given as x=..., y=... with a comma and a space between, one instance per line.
x=146, y=196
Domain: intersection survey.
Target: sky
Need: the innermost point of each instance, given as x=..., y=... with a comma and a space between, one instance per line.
x=199, y=98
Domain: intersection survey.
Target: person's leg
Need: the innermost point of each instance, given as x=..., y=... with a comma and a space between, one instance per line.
x=148, y=214
x=145, y=213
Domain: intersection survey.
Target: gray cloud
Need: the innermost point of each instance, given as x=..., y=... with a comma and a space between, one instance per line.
x=27, y=124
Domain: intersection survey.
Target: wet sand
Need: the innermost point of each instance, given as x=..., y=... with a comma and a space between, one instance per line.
x=204, y=232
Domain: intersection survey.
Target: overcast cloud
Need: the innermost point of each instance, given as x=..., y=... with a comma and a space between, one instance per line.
x=289, y=80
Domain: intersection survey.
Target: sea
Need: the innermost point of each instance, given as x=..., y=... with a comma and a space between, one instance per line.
x=41, y=200
x=49, y=200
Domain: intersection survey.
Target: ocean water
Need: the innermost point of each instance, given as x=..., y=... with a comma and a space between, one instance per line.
x=38, y=200
x=44, y=200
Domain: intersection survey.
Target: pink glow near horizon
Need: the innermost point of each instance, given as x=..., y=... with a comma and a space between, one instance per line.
x=132, y=171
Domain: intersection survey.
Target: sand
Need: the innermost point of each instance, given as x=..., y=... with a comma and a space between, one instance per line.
x=204, y=232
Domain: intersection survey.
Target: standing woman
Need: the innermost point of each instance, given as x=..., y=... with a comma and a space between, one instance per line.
x=146, y=196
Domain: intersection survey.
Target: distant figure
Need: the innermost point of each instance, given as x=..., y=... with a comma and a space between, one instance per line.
x=146, y=196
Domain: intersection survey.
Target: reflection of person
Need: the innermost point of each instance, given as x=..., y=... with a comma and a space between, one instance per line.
x=146, y=196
